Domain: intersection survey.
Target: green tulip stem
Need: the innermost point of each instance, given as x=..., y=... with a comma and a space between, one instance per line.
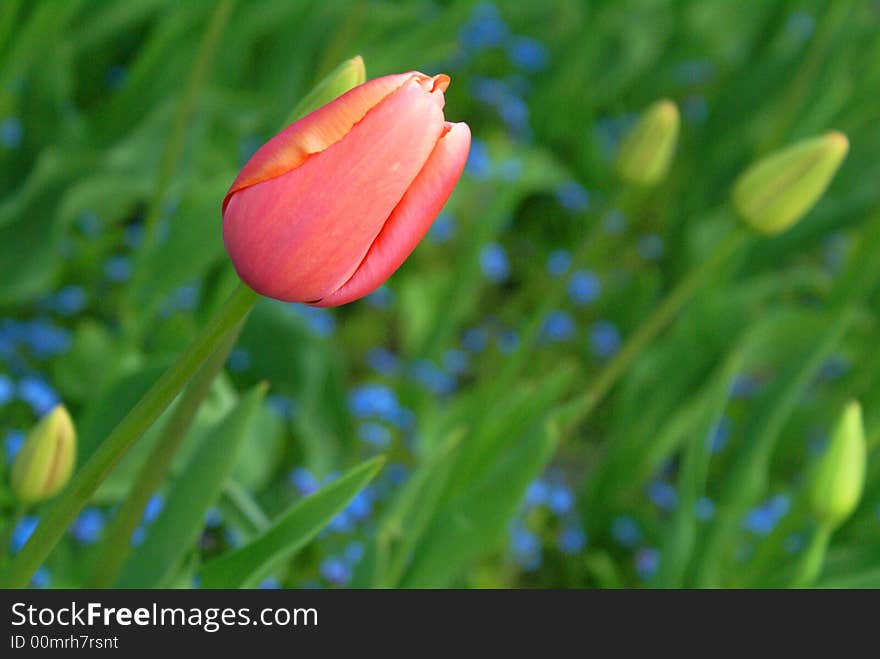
x=116, y=545
x=813, y=557
x=171, y=157
x=125, y=434
x=574, y=412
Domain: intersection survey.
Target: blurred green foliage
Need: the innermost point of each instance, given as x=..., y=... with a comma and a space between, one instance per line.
x=123, y=123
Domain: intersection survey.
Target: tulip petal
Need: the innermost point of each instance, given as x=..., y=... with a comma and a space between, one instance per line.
x=411, y=219
x=322, y=128
x=301, y=235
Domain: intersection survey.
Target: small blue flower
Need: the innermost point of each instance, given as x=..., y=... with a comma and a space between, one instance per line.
x=46, y=339
x=213, y=518
x=12, y=443
x=558, y=262
x=650, y=247
x=626, y=531
x=695, y=109
x=573, y=197
x=559, y=326
x=443, y=228
x=343, y=522
x=42, y=578
x=382, y=360
x=432, y=377
x=527, y=54
x=490, y=90
x=744, y=386
x=762, y=519
x=401, y=418
x=134, y=235
x=525, y=547
x=153, y=508
x=615, y=222
x=835, y=367
x=182, y=298
x=537, y=493
x=779, y=505
x=22, y=532
x=647, y=560
x=381, y=298
x=694, y=72
x=515, y=114
x=336, y=571
x=397, y=473
x=281, y=405
x=584, y=287
x=375, y=434
x=117, y=269
x=475, y=339
x=89, y=223
x=270, y=583
x=7, y=389
x=374, y=400
x=494, y=263
x=479, y=162
x=320, y=321
x=800, y=25
x=37, y=393
x=794, y=543
x=604, y=339
x=662, y=495
x=354, y=552
x=11, y=132
x=303, y=480
x=560, y=500
x=508, y=341
x=70, y=300
x=484, y=29
x=456, y=361
x=720, y=434
x=361, y=506
x=239, y=360
x=704, y=509
x=572, y=539
x=87, y=527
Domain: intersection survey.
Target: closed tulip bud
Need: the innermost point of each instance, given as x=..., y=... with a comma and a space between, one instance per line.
x=45, y=462
x=329, y=208
x=646, y=152
x=777, y=191
x=840, y=475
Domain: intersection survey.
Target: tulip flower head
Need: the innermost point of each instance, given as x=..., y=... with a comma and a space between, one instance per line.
x=329, y=208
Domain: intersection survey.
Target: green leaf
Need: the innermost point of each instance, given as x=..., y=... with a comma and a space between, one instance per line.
x=406, y=519
x=476, y=521
x=345, y=76
x=291, y=531
x=172, y=535
x=681, y=532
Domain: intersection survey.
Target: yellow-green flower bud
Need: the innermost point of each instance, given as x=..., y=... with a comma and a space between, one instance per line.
x=347, y=75
x=777, y=191
x=646, y=151
x=840, y=476
x=45, y=462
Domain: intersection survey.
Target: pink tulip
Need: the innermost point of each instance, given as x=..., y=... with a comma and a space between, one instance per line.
x=329, y=208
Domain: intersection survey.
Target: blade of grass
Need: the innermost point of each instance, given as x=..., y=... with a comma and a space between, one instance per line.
x=289, y=532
